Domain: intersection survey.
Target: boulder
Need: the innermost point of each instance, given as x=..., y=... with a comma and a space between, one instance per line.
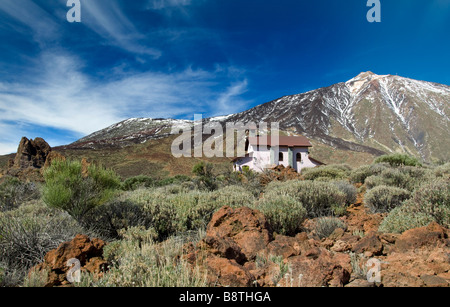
x=431, y=235
x=31, y=153
x=228, y=273
x=419, y=257
x=233, y=238
x=360, y=283
x=223, y=247
x=32, y=157
x=286, y=246
x=247, y=228
x=370, y=245
x=88, y=252
x=317, y=268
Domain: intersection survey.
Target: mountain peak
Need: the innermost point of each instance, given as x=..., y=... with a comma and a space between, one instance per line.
x=366, y=76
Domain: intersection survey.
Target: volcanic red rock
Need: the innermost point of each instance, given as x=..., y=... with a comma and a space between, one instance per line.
x=247, y=228
x=228, y=273
x=370, y=244
x=88, y=252
x=431, y=235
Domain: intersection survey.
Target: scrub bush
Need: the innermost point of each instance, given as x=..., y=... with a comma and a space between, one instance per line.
x=325, y=226
x=284, y=213
x=69, y=187
x=383, y=198
x=318, y=198
x=398, y=160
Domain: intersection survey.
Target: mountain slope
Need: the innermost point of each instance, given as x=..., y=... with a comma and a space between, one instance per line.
x=369, y=114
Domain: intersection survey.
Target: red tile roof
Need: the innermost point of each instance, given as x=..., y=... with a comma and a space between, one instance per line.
x=290, y=141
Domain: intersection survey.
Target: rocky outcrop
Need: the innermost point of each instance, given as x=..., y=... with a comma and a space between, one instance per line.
x=245, y=228
x=233, y=237
x=31, y=153
x=88, y=252
x=31, y=158
x=240, y=250
x=53, y=156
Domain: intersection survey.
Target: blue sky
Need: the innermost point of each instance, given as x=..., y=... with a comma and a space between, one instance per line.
x=173, y=58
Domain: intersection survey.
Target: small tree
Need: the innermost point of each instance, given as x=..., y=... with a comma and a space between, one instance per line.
x=69, y=187
x=205, y=176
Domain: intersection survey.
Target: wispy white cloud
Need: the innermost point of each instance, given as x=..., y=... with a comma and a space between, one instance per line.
x=56, y=96
x=230, y=101
x=163, y=4
x=107, y=19
x=60, y=96
x=39, y=22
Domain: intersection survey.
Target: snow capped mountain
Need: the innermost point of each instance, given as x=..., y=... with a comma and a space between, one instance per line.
x=136, y=131
x=370, y=113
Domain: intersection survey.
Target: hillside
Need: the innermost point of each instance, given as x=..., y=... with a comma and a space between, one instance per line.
x=350, y=122
x=369, y=113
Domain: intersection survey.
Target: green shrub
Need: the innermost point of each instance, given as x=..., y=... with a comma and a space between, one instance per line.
x=403, y=218
x=398, y=178
x=284, y=213
x=14, y=192
x=67, y=188
x=407, y=178
x=232, y=196
x=251, y=181
x=430, y=202
x=318, y=198
x=195, y=209
x=328, y=171
x=178, y=179
x=160, y=207
x=384, y=199
x=138, y=234
x=108, y=219
x=204, y=176
x=398, y=160
x=141, y=181
x=348, y=189
x=325, y=226
x=184, y=187
x=2, y=275
x=360, y=174
x=147, y=264
x=442, y=171
x=433, y=199
x=27, y=234
x=136, y=182
x=186, y=210
x=36, y=278
x=173, y=213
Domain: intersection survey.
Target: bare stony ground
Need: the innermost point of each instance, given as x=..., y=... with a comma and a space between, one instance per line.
x=241, y=250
